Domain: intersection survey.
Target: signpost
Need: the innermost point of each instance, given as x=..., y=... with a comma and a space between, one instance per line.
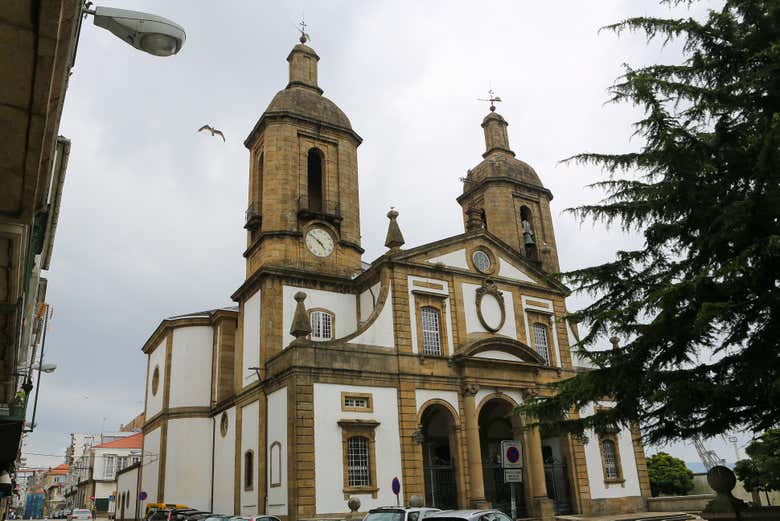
x=397, y=490
x=512, y=463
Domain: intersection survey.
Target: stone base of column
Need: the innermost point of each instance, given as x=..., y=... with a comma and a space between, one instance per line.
x=479, y=504
x=544, y=508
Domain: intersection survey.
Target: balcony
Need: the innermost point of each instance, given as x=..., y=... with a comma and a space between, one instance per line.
x=325, y=211
x=252, y=218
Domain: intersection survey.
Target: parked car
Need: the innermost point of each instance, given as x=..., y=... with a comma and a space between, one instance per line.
x=255, y=518
x=80, y=513
x=470, y=515
x=218, y=517
x=400, y=513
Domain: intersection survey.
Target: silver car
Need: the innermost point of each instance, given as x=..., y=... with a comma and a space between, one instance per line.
x=470, y=515
x=399, y=514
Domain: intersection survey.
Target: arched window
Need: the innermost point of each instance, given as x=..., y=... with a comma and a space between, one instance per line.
x=321, y=325
x=259, y=204
x=249, y=470
x=541, y=344
x=358, y=472
x=431, y=331
x=609, y=455
x=529, y=237
x=276, y=464
x=314, y=179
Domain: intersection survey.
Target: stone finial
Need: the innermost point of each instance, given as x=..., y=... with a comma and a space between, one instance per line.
x=354, y=505
x=395, y=238
x=474, y=219
x=615, y=341
x=416, y=501
x=301, y=326
x=496, y=137
x=303, y=67
x=722, y=480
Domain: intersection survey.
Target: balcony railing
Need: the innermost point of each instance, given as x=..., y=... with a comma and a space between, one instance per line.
x=322, y=210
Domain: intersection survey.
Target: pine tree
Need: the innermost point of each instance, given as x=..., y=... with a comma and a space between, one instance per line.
x=697, y=306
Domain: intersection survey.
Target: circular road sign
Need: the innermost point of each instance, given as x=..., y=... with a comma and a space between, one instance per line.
x=142, y=495
x=396, y=486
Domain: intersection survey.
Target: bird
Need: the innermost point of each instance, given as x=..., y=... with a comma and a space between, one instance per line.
x=214, y=131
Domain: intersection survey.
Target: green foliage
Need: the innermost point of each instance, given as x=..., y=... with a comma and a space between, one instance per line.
x=762, y=470
x=697, y=307
x=669, y=476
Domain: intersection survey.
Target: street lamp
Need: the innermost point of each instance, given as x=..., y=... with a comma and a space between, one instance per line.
x=146, y=32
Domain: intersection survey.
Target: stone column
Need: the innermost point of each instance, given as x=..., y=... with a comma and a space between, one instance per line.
x=473, y=451
x=543, y=506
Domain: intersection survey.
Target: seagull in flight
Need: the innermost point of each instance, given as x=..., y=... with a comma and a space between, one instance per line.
x=214, y=131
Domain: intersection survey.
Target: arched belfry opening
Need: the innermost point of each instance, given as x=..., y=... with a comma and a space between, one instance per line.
x=439, y=448
x=529, y=236
x=314, y=179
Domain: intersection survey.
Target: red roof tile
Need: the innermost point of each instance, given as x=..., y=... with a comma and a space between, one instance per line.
x=128, y=442
x=59, y=469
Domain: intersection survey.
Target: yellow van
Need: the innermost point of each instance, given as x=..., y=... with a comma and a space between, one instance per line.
x=153, y=507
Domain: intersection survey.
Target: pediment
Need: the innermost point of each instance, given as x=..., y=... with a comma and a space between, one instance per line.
x=458, y=253
x=497, y=348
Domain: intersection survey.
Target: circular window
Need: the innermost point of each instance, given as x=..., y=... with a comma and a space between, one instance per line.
x=155, y=380
x=481, y=261
x=223, y=424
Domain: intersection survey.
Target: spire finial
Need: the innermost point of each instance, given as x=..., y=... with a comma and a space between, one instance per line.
x=304, y=35
x=493, y=99
x=300, y=327
x=395, y=238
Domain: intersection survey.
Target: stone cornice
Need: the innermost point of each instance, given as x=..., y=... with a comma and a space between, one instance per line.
x=503, y=179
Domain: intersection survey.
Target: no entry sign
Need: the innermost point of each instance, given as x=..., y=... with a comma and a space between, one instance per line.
x=511, y=454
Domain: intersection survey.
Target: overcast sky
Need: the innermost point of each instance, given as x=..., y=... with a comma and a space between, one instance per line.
x=152, y=212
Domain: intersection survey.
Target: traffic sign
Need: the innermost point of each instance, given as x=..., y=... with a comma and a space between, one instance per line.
x=92, y=498
x=511, y=454
x=142, y=495
x=396, y=486
x=111, y=497
x=513, y=475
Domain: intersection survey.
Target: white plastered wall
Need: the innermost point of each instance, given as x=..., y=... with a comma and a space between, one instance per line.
x=342, y=305
x=444, y=292
x=156, y=359
x=250, y=424
x=188, y=454
x=127, y=483
x=498, y=355
x=599, y=489
x=380, y=332
x=277, y=434
x=251, y=338
x=328, y=457
x=368, y=299
x=421, y=396
x=190, y=359
x=224, y=463
x=151, y=467
x=454, y=259
x=492, y=315
x=508, y=270
x=544, y=306
x=483, y=393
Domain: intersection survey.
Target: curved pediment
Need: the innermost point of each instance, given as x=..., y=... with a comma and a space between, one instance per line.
x=496, y=347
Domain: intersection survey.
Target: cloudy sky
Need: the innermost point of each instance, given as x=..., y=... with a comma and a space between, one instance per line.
x=152, y=212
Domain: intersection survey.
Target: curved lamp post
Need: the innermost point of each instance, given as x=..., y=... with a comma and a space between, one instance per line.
x=146, y=32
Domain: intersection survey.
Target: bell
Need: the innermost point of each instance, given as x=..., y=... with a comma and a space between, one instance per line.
x=528, y=239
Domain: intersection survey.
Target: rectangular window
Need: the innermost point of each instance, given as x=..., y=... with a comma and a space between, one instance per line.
x=321, y=325
x=357, y=402
x=431, y=331
x=108, y=467
x=541, y=344
x=358, y=474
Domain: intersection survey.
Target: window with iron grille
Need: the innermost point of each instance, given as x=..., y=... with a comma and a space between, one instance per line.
x=357, y=402
x=431, y=331
x=321, y=325
x=358, y=472
x=610, y=459
x=541, y=344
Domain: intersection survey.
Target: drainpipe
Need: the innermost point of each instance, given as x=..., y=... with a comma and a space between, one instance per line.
x=213, y=445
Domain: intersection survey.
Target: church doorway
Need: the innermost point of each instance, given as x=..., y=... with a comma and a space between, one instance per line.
x=556, y=474
x=495, y=425
x=439, y=457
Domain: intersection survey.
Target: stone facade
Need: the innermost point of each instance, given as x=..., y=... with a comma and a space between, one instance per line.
x=331, y=377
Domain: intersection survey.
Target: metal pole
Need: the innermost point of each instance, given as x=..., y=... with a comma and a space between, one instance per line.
x=514, y=501
x=40, y=364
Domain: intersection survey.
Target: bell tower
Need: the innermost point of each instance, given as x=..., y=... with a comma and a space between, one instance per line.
x=505, y=196
x=303, y=211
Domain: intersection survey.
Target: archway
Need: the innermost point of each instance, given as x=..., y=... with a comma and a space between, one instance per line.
x=439, y=449
x=495, y=425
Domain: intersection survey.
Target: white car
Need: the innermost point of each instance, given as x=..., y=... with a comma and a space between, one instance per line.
x=80, y=513
x=399, y=513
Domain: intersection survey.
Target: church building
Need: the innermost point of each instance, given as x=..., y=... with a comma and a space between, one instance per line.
x=331, y=376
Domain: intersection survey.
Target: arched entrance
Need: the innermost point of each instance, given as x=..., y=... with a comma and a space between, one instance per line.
x=439, y=450
x=495, y=425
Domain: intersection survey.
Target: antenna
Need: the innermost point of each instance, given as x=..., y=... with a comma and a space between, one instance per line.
x=493, y=99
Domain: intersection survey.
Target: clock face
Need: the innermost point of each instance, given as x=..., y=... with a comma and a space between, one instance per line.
x=319, y=242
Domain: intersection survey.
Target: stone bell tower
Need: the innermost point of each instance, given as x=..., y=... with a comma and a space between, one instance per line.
x=505, y=196
x=303, y=211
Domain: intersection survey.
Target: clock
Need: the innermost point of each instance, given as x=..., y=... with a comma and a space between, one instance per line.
x=319, y=241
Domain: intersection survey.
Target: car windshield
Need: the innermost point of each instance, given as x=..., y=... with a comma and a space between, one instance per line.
x=81, y=511
x=390, y=515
